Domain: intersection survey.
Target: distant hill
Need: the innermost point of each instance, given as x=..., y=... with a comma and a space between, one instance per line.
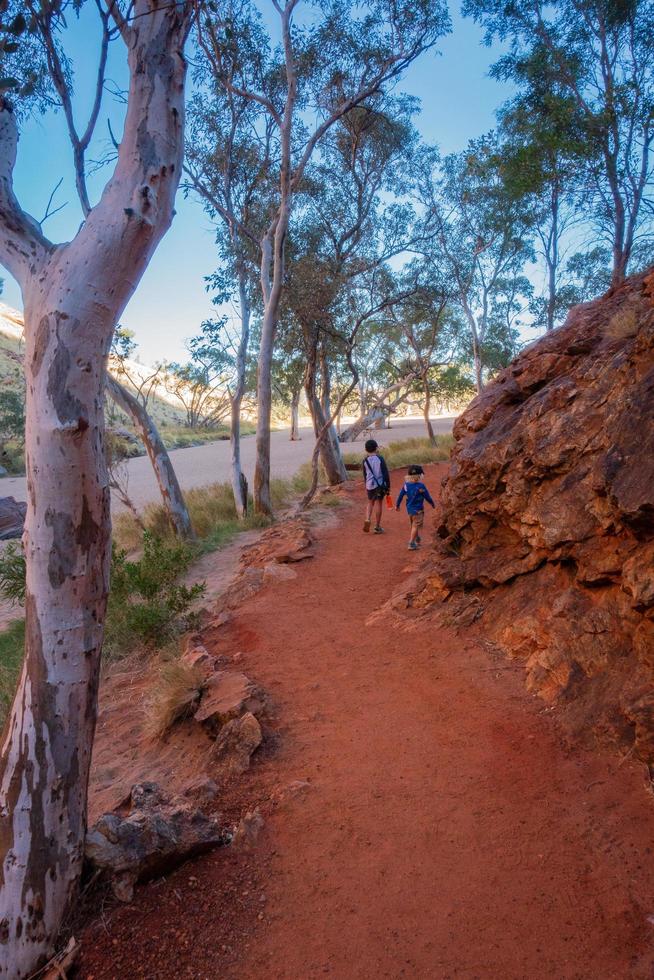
x=164, y=407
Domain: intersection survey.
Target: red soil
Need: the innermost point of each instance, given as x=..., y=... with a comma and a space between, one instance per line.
x=449, y=831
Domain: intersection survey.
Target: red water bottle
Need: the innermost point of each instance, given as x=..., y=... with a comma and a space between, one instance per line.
x=389, y=501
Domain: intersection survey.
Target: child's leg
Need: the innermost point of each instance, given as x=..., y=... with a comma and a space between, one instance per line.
x=378, y=512
x=366, y=523
x=414, y=530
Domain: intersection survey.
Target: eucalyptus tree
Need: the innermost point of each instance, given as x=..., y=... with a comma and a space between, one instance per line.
x=597, y=57
x=202, y=384
x=131, y=391
x=428, y=334
x=74, y=294
x=477, y=236
x=353, y=221
x=543, y=155
x=326, y=64
x=370, y=297
x=229, y=160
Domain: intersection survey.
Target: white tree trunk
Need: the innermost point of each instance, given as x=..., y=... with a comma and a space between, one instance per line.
x=262, y=498
x=239, y=483
x=169, y=488
x=73, y=295
x=352, y=433
x=294, y=435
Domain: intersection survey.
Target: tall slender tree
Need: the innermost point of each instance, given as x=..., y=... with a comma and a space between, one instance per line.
x=477, y=236
x=74, y=294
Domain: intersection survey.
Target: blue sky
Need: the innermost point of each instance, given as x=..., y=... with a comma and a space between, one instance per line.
x=458, y=98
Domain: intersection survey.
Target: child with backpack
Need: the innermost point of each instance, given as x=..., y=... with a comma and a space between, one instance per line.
x=416, y=493
x=378, y=485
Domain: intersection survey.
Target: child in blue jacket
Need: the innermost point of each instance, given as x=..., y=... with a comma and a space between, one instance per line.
x=416, y=493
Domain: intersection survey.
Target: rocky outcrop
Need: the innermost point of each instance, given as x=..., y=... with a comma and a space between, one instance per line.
x=147, y=836
x=12, y=518
x=546, y=536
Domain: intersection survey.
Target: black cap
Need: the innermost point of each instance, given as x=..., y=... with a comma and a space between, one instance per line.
x=415, y=470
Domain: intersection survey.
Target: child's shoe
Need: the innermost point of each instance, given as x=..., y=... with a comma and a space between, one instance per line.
x=418, y=539
x=413, y=546
x=378, y=529
x=366, y=526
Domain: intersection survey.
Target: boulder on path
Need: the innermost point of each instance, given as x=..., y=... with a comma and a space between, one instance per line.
x=236, y=742
x=12, y=518
x=149, y=835
x=226, y=695
x=548, y=515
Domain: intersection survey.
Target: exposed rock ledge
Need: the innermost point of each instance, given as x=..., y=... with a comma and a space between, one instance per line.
x=547, y=527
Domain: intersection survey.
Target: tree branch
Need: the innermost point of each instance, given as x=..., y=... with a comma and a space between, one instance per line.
x=22, y=243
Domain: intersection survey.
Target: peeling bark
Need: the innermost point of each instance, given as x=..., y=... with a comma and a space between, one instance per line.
x=73, y=295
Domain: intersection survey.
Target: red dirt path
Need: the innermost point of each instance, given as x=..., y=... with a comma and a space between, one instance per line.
x=449, y=831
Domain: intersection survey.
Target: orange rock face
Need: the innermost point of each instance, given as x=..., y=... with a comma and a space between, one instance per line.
x=547, y=529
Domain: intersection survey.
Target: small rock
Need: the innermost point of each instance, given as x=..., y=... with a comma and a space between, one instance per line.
x=248, y=830
x=235, y=744
x=293, y=790
x=202, y=789
x=278, y=573
x=237, y=657
x=199, y=656
x=122, y=886
x=224, y=697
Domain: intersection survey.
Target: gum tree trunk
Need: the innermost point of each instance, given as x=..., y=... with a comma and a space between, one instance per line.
x=171, y=492
x=239, y=483
x=330, y=453
x=73, y=295
x=295, y=417
x=426, y=410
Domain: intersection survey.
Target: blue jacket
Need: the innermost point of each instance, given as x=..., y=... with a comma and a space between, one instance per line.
x=416, y=494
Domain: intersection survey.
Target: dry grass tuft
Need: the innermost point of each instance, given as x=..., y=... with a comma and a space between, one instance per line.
x=213, y=515
x=175, y=696
x=407, y=451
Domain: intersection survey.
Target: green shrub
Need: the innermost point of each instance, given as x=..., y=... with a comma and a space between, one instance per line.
x=12, y=573
x=12, y=645
x=146, y=604
x=12, y=458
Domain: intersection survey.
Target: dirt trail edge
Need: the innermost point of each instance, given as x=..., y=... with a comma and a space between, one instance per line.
x=447, y=829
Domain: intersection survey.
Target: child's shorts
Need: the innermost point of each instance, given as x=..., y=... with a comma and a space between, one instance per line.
x=417, y=520
x=377, y=494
